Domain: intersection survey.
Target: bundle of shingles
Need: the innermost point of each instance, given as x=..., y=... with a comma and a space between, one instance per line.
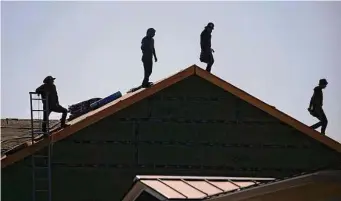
x=81, y=108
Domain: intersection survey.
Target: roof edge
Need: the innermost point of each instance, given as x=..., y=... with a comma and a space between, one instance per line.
x=97, y=116
x=102, y=113
x=168, y=177
x=269, y=109
x=278, y=185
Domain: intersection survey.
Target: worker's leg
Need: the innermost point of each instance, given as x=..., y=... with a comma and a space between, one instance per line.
x=60, y=109
x=148, y=67
x=324, y=122
x=46, y=115
x=317, y=125
x=210, y=62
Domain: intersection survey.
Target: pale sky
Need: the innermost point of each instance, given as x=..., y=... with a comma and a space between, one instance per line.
x=276, y=51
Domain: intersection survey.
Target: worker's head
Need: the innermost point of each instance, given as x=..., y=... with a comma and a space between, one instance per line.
x=151, y=32
x=210, y=26
x=49, y=80
x=323, y=83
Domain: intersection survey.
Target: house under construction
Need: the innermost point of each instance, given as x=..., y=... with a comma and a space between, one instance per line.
x=191, y=136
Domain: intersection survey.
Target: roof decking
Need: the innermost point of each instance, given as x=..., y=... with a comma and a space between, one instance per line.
x=131, y=98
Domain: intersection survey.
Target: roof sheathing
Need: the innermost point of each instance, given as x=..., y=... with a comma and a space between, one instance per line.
x=98, y=114
x=270, y=110
x=131, y=98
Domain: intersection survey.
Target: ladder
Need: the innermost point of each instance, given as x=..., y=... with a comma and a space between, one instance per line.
x=41, y=160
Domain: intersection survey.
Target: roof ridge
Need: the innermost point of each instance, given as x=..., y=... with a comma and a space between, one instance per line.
x=131, y=98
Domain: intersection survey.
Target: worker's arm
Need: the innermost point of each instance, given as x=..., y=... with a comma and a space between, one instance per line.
x=143, y=44
x=40, y=89
x=312, y=100
x=205, y=41
x=154, y=52
x=315, y=98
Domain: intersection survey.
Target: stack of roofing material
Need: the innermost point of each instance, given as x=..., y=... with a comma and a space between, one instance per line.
x=81, y=108
x=105, y=100
x=84, y=107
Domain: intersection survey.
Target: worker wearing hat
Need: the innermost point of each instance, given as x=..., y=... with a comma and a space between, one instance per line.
x=148, y=51
x=206, y=54
x=315, y=106
x=48, y=92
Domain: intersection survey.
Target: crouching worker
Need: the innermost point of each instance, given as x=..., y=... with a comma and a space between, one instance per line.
x=48, y=91
x=315, y=107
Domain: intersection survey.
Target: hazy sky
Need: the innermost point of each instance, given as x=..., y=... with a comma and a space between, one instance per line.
x=276, y=51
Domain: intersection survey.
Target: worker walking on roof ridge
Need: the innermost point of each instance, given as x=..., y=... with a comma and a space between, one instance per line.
x=315, y=106
x=48, y=90
x=206, y=54
x=148, y=51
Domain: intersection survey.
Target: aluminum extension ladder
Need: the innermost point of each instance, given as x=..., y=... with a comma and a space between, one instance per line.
x=41, y=160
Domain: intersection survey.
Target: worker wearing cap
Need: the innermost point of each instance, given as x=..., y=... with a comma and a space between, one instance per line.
x=315, y=106
x=148, y=51
x=48, y=90
x=206, y=54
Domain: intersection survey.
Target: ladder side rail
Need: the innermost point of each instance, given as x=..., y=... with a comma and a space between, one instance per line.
x=47, y=112
x=32, y=157
x=50, y=172
x=32, y=126
x=49, y=147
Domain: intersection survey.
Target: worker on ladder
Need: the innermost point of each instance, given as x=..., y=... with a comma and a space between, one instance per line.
x=315, y=106
x=48, y=91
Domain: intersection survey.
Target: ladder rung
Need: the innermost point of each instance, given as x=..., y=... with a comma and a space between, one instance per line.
x=41, y=190
x=41, y=178
x=40, y=168
x=38, y=98
x=40, y=156
x=38, y=110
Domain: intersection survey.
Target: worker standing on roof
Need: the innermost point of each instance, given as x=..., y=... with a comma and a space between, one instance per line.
x=206, y=54
x=48, y=90
x=315, y=106
x=148, y=51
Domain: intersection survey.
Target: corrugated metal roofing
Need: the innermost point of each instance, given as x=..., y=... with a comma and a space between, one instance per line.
x=221, y=188
x=330, y=178
x=178, y=187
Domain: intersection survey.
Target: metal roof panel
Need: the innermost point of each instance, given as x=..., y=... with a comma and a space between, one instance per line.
x=163, y=189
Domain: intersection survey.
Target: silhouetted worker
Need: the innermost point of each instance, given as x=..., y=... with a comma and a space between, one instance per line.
x=315, y=106
x=148, y=51
x=48, y=90
x=206, y=54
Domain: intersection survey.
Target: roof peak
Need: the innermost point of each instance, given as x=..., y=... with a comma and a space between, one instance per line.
x=134, y=97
